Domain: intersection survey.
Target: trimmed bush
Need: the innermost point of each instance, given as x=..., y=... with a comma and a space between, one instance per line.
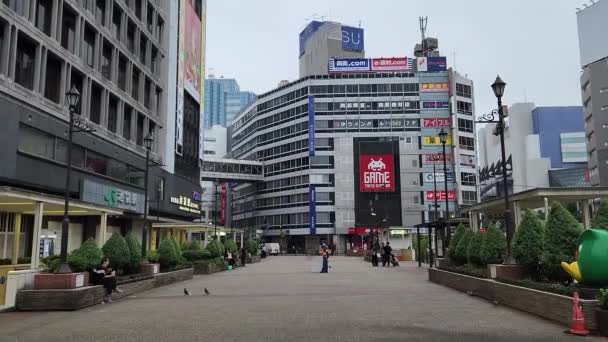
x=253, y=247
x=195, y=245
x=153, y=257
x=167, y=255
x=230, y=245
x=528, y=241
x=423, y=253
x=205, y=254
x=178, y=249
x=117, y=250
x=134, y=251
x=601, y=217
x=458, y=234
x=460, y=255
x=561, y=234
x=192, y=255
x=216, y=249
x=474, y=248
x=51, y=263
x=493, y=246
x=86, y=257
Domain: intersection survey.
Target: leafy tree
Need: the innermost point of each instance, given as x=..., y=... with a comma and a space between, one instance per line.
x=230, y=245
x=423, y=253
x=117, y=250
x=528, y=241
x=167, y=255
x=601, y=217
x=215, y=248
x=134, y=251
x=474, y=248
x=86, y=257
x=458, y=234
x=493, y=246
x=462, y=247
x=561, y=234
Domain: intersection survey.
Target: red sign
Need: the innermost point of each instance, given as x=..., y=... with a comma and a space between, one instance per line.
x=224, y=190
x=436, y=158
x=437, y=122
x=376, y=173
x=430, y=195
x=391, y=64
x=363, y=230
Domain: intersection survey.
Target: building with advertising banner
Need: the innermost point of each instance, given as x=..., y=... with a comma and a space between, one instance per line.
x=119, y=59
x=344, y=152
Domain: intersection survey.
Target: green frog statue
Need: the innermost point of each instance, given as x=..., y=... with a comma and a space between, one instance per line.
x=591, y=267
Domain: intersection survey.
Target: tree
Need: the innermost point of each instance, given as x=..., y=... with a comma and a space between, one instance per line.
x=474, y=248
x=528, y=241
x=167, y=254
x=117, y=250
x=134, y=251
x=215, y=248
x=493, y=246
x=561, y=234
x=463, y=245
x=230, y=245
x=458, y=234
x=86, y=257
x=601, y=217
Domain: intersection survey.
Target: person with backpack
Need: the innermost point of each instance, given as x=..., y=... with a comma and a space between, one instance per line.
x=386, y=257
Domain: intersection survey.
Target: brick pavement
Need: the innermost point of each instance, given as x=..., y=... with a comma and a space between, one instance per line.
x=280, y=299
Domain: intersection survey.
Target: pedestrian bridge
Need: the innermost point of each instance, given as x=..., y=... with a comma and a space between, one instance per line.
x=231, y=170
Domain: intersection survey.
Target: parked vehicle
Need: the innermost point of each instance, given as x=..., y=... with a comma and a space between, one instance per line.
x=272, y=248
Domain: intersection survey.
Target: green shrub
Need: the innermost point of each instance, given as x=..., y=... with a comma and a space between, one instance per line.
x=117, y=250
x=557, y=288
x=474, y=248
x=86, y=257
x=215, y=248
x=192, y=255
x=603, y=299
x=153, y=257
x=493, y=246
x=253, y=247
x=205, y=254
x=167, y=255
x=24, y=260
x=423, y=252
x=194, y=245
x=561, y=234
x=467, y=269
x=230, y=245
x=178, y=250
x=212, y=261
x=51, y=263
x=601, y=217
x=460, y=254
x=528, y=241
x=458, y=234
x=134, y=251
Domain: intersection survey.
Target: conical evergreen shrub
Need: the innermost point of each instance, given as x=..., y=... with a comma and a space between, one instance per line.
x=561, y=234
x=493, y=246
x=462, y=247
x=167, y=255
x=230, y=245
x=601, y=217
x=86, y=257
x=215, y=248
x=474, y=248
x=458, y=234
x=117, y=250
x=134, y=251
x=527, y=246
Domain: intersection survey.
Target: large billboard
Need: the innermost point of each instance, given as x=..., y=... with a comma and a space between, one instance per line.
x=436, y=122
x=394, y=64
x=344, y=65
x=179, y=106
x=201, y=138
x=192, y=52
x=435, y=87
x=376, y=173
x=307, y=33
x=431, y=64
x=436, y=141
x=592, y=28
x=440, y=195
x=352, y=38
x=361, y=65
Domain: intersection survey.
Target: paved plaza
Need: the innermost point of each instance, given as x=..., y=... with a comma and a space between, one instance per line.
x=281, y=299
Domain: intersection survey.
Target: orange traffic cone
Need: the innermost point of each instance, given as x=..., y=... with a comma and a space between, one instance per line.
x=578, y=318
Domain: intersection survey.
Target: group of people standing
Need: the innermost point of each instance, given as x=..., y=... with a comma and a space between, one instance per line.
x=232, y=257
x=385, y=252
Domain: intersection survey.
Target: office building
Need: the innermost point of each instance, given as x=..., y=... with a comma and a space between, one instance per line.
x=223, y=100
x=593, y=46
x=545, y=147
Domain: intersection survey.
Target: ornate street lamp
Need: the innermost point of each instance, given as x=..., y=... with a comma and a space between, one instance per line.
x=443, y=136
x=148, y=141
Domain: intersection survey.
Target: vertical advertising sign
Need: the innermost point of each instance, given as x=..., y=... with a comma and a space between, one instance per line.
x=312, y=208
x=223, y=199
x=201, y=139
x=311, y=125
x=352, y=38
x=307, y=33
x=376, y=173
x=179, y=110
x=192, y=53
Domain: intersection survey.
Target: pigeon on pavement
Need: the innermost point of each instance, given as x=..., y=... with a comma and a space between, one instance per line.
x=186, y=292
x=206, y=291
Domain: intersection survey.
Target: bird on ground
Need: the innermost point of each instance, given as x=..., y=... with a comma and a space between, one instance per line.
x=186, y=292
x=206, y=292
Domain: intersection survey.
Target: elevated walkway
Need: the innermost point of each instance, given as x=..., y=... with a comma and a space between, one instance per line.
x=232, y=170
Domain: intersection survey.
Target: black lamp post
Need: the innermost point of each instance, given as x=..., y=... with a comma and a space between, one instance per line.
x=72, y=98
x=443, y=136
x=148, y=140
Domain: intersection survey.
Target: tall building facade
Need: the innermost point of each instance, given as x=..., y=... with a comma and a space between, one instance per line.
x=118, y=55
x=223, y=100
x=593, y=47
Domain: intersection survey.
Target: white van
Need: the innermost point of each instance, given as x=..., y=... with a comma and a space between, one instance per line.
x=272, y=248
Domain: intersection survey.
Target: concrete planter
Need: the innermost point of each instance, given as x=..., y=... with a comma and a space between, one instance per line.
x=149, y=269
x=47, y=281
x=499, y=271
x=253, y=258
x=602, y=321
x=551, y=306
x=207, y=268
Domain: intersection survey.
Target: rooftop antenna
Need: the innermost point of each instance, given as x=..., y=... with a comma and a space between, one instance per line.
x=423, y=22
x=359, y=23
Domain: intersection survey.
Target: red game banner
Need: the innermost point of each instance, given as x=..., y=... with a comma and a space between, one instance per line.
x=376, y=173
x=223, y=192
x=430, y=195
x=437, y=122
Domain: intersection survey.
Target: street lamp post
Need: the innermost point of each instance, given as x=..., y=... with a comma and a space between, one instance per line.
x=443, y=136
x=215, y=210
x=72, y=97
x=148, y=140
x=498, y=87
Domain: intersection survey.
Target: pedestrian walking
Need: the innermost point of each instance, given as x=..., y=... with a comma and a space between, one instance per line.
x=388, y=251
x=375, y=254
x=324, y=253
x=243, y=256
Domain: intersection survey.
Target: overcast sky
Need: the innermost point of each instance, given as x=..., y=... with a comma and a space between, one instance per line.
x=533, y=45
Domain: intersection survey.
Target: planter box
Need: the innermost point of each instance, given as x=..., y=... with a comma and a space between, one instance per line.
x=602, y=321
x=499, y=271
x=47, y=281
x=62, y=300
x=551, y=306
x=207, y=268
x=162, y=279
x=253, y=258
x=149, y=269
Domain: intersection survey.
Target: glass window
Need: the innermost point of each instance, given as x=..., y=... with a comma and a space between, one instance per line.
x=143, y=43
x=122, y=73
x=88, y=47
x=43, y=16
x=467, y=143
x=36, y=142
x=468, y=179
x=126, y=123
x=118, y=170
x=131, y=37
x=96, y=163
x=95, y=108
x=24, y=64
x=68, y=30
x=116, y=22
x=112, y=114
x=61, y=153
x=106, y=61
x=77, y=80
x=140, y=130
x=135, y=85
x=100, y=11
x=53, y=75
x=465, y=125
x=136, y=176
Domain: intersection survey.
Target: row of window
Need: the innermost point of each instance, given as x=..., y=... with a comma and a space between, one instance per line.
x=44, y=145
x=366, y=89
x=321, y=144
x=294, y=200
x=400, y=106
x=463, y=90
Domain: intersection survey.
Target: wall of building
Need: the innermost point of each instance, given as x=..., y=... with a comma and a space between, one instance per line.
x=549, y=123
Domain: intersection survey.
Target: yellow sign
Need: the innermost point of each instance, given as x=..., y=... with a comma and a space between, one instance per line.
x=435, y=87
x=437, y=141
